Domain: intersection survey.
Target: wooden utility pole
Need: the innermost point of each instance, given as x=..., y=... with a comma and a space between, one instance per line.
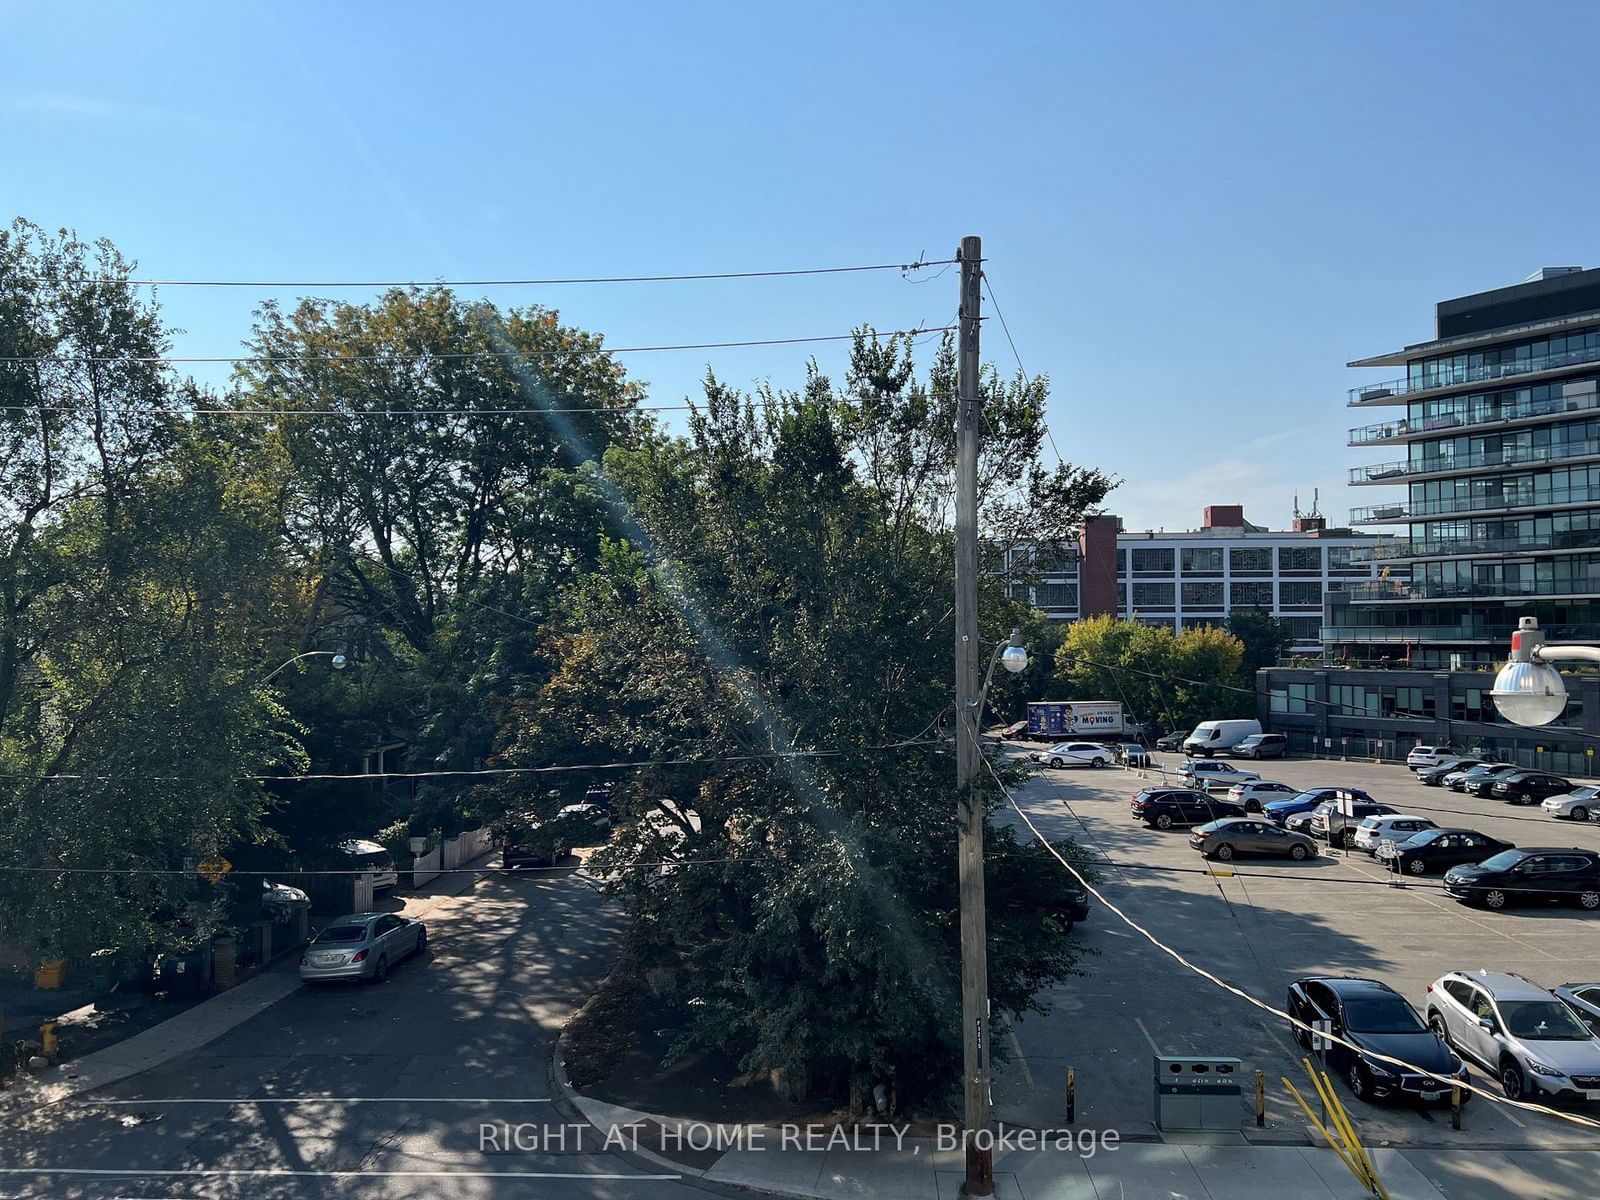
x=974, y=948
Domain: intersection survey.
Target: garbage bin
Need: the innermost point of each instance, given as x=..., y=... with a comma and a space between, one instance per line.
x=1198, y=1092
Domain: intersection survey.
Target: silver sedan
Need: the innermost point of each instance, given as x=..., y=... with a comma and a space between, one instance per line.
x=362, y=946
x=1250, y=835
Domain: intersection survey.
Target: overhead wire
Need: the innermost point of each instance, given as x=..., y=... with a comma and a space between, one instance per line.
x=904, y=268
x=455, y=355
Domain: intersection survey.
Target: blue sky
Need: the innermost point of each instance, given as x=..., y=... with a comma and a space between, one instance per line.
x=1195, y=214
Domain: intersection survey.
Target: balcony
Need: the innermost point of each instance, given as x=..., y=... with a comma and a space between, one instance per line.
x=1395, y=390
x=1464, y=631
x=1485, y=416
x=1509, y=456
x=1378, y=591
x=1378, y=514
x=1393, y=549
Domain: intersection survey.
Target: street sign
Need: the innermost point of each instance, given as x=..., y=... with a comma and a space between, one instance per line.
x=213, y=869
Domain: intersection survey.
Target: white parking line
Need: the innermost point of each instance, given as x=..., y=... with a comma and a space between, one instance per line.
x=1154, y=1049
x=1022, y=1058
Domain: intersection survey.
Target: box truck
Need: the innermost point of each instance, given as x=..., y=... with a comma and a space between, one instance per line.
x=1054, y=719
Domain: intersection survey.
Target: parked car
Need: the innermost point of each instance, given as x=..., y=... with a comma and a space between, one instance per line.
x=529, y=841
x=1211, y=737
x=1435, y=776
x=371, y=857
x=1439, y=850
x=1301, y=822
x=1254, y=793
x=1527, y=787
x=1429, y=756
x=1261, y=745
x=1164, y=807
x=362, y=946
x=1070, y=754
x=1377, y=1019
x=1205, y=774
x=1279, y=811
x=1538, y=873
x=1584, y=1000
x=1524, y=1035
x=1250, y=835
x=1392, y=827
x=1580, y=804
x=1131, y=754
x=1477, y=779
x=1171, y=742
x=1074, y=909
x=1336, y=823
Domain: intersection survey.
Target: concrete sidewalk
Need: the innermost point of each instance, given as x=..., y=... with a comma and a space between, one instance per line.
x=187, y=1031
x=776, y=1160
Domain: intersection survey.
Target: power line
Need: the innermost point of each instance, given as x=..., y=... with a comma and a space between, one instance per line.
x=479, y=771
x=1027, y=379
x=503, y=355
x=1300, y=1025
x=904, y=268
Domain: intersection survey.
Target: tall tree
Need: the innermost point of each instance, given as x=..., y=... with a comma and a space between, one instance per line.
x=776, y=622
x=137, y=573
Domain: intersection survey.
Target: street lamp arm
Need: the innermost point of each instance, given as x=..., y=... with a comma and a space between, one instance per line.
x=1568, y=652
x=1014, y=642
x=336, y=655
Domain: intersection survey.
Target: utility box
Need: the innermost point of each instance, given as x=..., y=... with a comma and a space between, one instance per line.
x=1198, y=1093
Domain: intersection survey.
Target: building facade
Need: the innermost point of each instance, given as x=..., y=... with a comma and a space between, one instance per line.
x=1186, y=578
x=1493, y=433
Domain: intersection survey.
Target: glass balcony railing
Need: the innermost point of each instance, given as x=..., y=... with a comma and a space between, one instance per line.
x=1463, y=631
x=1428, y=589
x=1377, y=393
x=1407, y=548
x=1508, y=456
x=1485, y=415
x=1412, y=510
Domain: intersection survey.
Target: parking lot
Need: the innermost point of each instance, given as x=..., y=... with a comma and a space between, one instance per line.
x=1270, y=923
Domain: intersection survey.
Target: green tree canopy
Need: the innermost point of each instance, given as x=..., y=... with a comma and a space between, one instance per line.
x=1177, y=679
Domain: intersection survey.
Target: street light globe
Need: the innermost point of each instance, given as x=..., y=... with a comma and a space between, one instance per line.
x=1529, y=693
x=1014, y=659
x=339, y=662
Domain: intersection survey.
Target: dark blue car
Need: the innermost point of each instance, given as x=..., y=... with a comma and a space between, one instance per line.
x=1279, y=811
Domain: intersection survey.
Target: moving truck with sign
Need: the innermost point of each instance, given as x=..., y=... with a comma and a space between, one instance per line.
x=1075, y=718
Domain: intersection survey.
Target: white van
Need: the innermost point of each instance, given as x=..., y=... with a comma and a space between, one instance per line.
x=1210, y=736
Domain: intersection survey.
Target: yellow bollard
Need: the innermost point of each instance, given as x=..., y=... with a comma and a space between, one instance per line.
x=1072, y=1095
x=48, y=1045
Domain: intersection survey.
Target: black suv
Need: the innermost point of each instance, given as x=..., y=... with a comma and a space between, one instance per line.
x=1165, y=807
x=1377, y=1018
x=1527, y=787
x=1542, y=873
x=1478, y=780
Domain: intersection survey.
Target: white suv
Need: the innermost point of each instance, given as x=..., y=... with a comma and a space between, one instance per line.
x=1394, y=826
x=1527, y=1037
x=1422, y=757
x=1206, y=773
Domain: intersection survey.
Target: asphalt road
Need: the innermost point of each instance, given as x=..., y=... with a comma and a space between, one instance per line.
x=363, y=1091
x=1334, y=915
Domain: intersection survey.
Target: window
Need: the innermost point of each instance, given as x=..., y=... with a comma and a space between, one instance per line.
x=1251, y=595
x=1056, y=595
x=1202, y=560
x=1302, y=559
x=1153, y=560
x=1291, y=698
x=1202, y=595
x=1153, y=595
x=1250, y=560
x=1304, y=629
x=1300, y=594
